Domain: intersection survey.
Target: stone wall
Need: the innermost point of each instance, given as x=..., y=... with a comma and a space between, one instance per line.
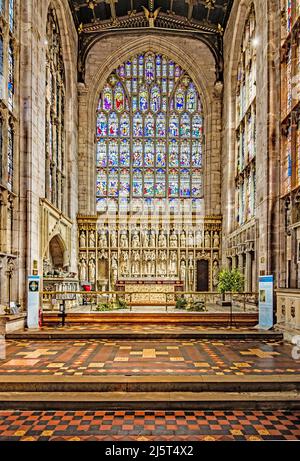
x=262, y=239
x=33, y=19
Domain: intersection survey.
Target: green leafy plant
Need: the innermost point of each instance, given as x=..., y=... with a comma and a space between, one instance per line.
x=230, y=281
x=197, y=306
x=121, y=304
x=111, y=305
x=181, y=303
x=104, y=307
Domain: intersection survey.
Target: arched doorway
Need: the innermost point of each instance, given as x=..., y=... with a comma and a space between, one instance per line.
x=203, y=275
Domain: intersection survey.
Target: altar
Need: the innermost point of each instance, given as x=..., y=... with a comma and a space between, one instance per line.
x=149, y=292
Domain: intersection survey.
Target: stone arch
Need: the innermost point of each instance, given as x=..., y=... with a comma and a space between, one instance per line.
x=58, y=253
x=154, y=44
x=64, y=18
x=68, y=37
x=243, y=10
x=203, y=77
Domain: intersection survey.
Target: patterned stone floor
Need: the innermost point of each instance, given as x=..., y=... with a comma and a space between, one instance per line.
x=173, y=357
x=144, y=426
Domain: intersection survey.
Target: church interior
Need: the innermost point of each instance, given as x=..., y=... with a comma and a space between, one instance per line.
x=149, y=220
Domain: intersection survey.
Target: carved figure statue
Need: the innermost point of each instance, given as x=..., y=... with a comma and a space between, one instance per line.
x=152, y=263
x=82, y=239
x=173, y=240
x=124, y=263
x=191, y=273
x=135, y=263
x=207, y=240
x=135, y=243
x=190, y=239
x=92, y=239
x=148, y=264
x=103, y=254
x=183, y=271
x=216, y=240
x=114, y=271
x=114, y=239
x=182, y=239
x=162, y=263
x=199, y=239
x=173, y=263
x=82, y=270
x=92, y=270
x=102, y=240
x=162, y=241
x=152, y=239
x=215, y=273
x=124, y=240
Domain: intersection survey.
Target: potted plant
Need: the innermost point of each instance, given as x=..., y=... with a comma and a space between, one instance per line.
x=181, y=303
x=230, y=281
x=197, y=306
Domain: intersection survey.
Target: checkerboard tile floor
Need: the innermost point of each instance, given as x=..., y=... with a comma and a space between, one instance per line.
x=107, y=357
x=143, y=426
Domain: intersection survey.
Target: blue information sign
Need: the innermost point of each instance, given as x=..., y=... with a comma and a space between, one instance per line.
x=266, y=302
x=33, y=301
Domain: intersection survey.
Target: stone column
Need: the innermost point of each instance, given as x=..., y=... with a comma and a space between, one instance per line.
x=241, y=262
x=248, y=272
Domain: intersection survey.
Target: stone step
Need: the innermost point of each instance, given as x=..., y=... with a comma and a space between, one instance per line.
x=149, y=401
x=203, y=318
x=161, y=383
x=129, y=334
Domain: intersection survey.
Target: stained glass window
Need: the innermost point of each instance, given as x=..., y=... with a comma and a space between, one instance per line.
x=11, y=12
x=55, y=118
x=288, y=15
x=11, y=68
x=149, y=129
x=290, y=70
x=298, y=151
x=1, y=147
x=245, y=124
x=1, y=62
x=10, y=157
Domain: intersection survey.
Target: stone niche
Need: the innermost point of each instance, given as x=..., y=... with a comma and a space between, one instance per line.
x=55, y=241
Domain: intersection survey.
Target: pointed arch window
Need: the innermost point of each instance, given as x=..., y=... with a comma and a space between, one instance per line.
x=10, y=156
x=1, y=148
x=149, y=132
x=55, y=181
x=1, y=63
x=246, y=124
x=11, y=72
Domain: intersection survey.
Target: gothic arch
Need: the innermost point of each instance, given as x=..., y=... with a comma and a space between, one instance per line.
x=155, y=44
x=64, y=19
x=201, y=76
x=58, y=251
x=242, y=13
